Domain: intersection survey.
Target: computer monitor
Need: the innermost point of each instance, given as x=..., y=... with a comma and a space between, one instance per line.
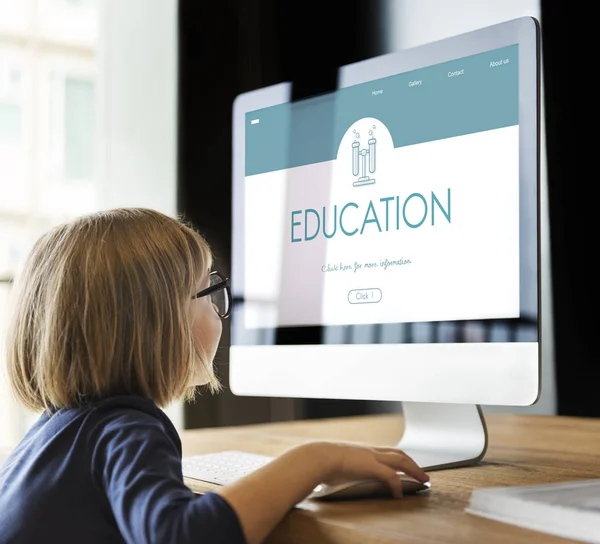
x=386, y=238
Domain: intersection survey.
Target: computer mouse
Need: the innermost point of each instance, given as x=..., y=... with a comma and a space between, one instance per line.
x=365, y=489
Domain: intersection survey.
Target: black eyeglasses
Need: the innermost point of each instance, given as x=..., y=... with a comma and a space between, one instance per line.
x=220, y=294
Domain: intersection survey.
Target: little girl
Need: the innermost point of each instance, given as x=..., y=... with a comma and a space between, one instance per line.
x=113, y=319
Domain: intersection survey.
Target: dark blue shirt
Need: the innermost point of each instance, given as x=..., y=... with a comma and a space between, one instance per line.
x=107, y=472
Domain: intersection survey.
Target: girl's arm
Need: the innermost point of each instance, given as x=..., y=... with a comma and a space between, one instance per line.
x=262, y=498
x=137, y=467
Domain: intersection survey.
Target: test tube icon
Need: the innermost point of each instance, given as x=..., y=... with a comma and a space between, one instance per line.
x=355, y=152
x=372, y=143
x=359, y=162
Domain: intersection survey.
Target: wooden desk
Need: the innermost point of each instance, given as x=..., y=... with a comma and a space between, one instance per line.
x=523, y=450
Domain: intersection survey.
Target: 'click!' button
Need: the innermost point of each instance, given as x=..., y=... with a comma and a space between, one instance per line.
x=364, y=296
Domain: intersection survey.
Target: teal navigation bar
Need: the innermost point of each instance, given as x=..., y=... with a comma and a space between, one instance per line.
x=458, y=97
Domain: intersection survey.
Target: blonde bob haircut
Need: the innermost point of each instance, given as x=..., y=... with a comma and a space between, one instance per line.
x=101, y=308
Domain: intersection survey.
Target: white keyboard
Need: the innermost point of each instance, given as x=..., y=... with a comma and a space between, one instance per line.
x=224, y=467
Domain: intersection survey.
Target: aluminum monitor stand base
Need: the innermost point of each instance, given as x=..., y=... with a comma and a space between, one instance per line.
x=442, y=436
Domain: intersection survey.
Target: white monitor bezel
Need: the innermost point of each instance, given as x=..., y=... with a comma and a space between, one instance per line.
x=478, y=373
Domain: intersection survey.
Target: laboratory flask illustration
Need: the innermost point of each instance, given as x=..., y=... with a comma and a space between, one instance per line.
x=364, y=159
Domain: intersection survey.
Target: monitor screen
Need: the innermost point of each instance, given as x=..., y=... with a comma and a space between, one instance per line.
x=393, y=201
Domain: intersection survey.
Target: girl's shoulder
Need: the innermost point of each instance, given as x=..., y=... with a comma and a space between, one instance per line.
x=130, y=419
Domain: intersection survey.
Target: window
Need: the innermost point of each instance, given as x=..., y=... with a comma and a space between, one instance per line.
x=48, y=105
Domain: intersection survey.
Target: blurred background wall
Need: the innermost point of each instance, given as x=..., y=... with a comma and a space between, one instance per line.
x=88, y=117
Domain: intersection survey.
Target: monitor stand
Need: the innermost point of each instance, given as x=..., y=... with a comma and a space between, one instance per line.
x=439, y=436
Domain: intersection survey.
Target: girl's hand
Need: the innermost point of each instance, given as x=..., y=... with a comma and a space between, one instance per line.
x=262, y=498
x=349, y=462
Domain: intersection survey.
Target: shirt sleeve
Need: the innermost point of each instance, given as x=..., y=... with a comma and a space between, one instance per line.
x=139, y=468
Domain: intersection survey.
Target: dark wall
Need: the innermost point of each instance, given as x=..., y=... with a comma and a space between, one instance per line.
x=573, y=225
x=233, y=46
